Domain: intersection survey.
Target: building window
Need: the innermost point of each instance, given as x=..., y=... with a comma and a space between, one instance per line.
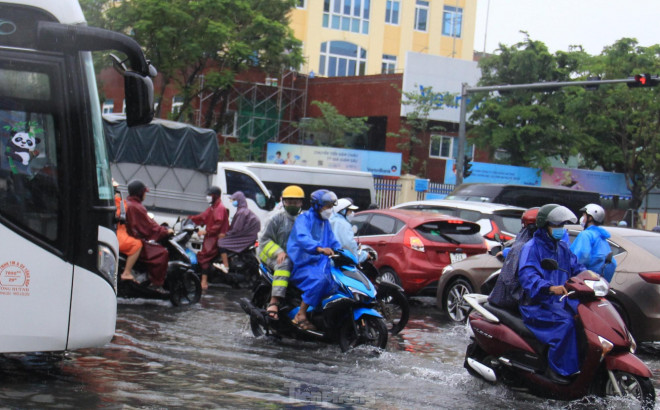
x=340, y=58
x=300, y=4
x=177, y=104
x=392, y=12
x=446, y=147
x=389, y=64
x=452, y=19
x=421, y=15
x=347, y=15
x=108, y=107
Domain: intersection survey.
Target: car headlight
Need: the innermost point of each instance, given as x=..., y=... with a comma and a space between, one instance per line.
x=447, y=268
x=600, y=286
x=107, y=264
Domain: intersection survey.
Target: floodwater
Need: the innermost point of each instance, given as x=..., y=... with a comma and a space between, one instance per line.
x=205, y=356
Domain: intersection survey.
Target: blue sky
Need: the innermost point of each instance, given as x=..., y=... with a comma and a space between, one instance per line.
x=593, y=24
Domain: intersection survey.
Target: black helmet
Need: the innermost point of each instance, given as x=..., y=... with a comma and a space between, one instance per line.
x=214, y=191
x=555, y=215
x=137, y=188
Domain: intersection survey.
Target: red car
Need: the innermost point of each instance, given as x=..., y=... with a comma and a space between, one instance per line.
x=413, y=246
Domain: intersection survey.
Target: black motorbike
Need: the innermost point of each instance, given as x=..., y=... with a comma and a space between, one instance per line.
x=181, y=284
x=391, y=301
x=243, y=266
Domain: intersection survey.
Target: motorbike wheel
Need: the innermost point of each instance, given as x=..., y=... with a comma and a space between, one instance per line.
x=455, y=307
x=640, y=388
x=371, y=331
x=394, y=307
x=187, y=290
x=260, y=299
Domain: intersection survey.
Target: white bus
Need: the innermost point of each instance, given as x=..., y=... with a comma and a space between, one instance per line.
x=59, y=250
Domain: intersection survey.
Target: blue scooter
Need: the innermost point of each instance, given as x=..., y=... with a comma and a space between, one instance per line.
x=346, y=317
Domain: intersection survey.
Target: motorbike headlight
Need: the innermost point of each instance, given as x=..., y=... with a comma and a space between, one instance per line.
x=605, y=344
x=107, y=264
x=359, y=296
x=633, y=344
x=600, y=286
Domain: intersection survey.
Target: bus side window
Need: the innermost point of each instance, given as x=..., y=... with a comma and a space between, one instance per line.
x=29, y=194
x=238, y=181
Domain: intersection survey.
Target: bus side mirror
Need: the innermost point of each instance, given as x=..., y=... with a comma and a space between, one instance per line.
x=139, y=98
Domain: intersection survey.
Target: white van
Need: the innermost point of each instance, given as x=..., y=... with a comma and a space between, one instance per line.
x=357, y=185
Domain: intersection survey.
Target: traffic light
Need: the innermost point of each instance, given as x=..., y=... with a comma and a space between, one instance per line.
x=466, y=167
x=644, y=80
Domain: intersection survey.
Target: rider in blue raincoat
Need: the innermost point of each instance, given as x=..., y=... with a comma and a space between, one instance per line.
x=590, y=246
x=548, y=317
x=309, y=245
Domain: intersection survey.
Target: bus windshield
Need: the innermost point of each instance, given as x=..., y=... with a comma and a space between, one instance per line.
x=103, y=177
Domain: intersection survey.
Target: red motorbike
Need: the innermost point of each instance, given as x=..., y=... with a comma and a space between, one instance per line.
x=503, y=349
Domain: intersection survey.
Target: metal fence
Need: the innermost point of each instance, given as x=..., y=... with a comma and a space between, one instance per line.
x=387, y=192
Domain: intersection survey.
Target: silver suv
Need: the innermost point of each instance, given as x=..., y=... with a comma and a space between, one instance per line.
x=493, y=218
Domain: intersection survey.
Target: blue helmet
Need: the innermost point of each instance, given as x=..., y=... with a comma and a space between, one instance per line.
x=321, y=198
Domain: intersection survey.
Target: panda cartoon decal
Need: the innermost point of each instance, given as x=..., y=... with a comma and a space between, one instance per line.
x=22, y=147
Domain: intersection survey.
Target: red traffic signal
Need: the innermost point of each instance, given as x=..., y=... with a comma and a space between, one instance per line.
x=644, y=80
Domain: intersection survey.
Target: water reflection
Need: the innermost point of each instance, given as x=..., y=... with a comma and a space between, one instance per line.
x=206, y=356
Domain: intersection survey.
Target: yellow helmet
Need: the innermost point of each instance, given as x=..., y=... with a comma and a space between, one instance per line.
x=293, y=191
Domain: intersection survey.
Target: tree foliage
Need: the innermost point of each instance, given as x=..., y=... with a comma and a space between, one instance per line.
x=526, y=125
x=331, y=127
x=613, y=127
x=215, y=38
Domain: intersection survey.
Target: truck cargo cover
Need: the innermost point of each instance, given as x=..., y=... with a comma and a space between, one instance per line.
x=165, y=143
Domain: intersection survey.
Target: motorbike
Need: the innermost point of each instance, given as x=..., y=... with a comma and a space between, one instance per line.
x=243, y=266
x=503, y=349
x=346, y=317
x=391, y=301
x=182, y=285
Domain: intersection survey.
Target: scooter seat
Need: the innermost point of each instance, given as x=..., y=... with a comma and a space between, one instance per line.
x=513, y=320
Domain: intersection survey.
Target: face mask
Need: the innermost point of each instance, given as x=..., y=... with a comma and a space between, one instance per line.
x=292, y=210
x=558, y=233
x=350, y=217
x=326, y=214
x=209, y=199
x=583, y=221
x=235, y=203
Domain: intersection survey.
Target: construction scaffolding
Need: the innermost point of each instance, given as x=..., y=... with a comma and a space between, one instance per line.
x=266, y=112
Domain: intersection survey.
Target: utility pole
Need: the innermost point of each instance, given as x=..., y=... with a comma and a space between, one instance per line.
x=636, y=81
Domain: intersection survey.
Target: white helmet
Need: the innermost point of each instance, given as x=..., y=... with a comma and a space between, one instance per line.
x=344, y=203
x=595, y=211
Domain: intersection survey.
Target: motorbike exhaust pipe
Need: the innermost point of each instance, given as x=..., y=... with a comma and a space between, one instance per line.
x=483, y=370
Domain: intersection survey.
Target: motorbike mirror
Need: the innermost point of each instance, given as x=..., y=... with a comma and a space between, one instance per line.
x=495, y=250
x=549, y=264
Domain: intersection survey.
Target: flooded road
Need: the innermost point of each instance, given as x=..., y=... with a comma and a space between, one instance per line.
x=205, y=356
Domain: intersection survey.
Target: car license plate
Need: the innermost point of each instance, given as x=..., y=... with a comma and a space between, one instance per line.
x=456, y=257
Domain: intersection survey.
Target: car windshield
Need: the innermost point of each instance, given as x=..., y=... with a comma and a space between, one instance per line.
x=649, y=243
x=511, y=222
x=456, y=232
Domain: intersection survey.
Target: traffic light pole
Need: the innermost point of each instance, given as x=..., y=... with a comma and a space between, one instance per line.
x=465, y=91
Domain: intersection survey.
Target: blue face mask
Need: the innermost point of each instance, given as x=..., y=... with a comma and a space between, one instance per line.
x=558, y=233
x=235, y=203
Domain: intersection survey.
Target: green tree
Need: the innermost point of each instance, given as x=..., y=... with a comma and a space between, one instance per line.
x=417, y=124
x=334, y=127
x=525, y=124
x=215, y=38
x=617, y=127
